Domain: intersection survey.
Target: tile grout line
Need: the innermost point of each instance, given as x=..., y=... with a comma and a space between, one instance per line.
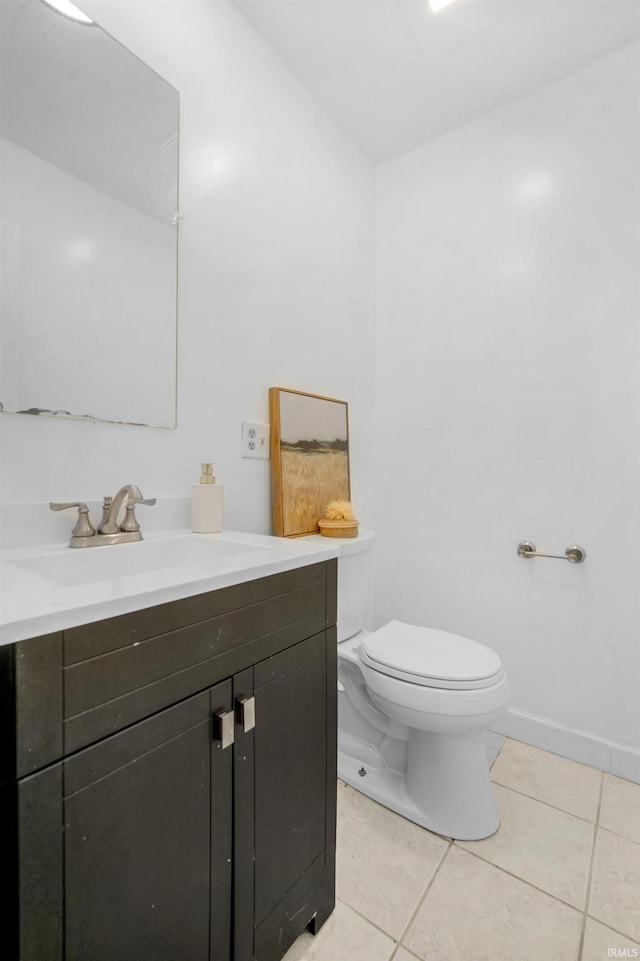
x=590, y=876
x=613, y=930
x=596, y=826
x=422, y=899
x=517, y=877
x=397, y=941
x=403, y=947
x=554, y=807
x=616, y=834
x=365, y=918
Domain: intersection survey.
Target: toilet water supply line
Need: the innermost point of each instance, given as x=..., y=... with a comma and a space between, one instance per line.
x=574, y=554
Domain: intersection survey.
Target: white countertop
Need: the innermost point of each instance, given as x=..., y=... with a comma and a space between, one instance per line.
x=55, y=587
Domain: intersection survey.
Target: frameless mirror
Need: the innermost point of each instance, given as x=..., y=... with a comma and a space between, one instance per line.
x=89, y=171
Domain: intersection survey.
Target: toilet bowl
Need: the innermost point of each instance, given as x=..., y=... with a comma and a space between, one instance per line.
x=414, y=704
x=446, y=691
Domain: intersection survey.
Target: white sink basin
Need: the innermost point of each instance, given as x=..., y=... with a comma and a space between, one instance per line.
x=52, y=588
x=196, y=555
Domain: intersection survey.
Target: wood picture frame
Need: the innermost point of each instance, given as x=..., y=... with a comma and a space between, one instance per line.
x=309, y=458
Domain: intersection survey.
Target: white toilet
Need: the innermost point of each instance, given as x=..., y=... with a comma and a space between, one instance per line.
x=413, y=707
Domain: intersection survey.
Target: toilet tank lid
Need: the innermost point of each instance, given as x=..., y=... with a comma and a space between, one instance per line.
x=356, y=545
x=429, y=653
x=347, y=545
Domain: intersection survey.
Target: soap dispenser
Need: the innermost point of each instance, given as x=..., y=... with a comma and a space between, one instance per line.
x=207, y=503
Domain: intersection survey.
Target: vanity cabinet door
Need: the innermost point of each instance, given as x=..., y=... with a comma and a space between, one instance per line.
x=147, y=816
x=290, y=812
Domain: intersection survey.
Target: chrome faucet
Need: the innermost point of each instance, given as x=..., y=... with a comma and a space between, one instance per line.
x=109, y=531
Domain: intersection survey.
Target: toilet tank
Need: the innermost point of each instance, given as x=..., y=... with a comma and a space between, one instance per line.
x=354, y=583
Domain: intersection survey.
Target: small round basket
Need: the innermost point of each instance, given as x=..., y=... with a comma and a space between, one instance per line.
x=338, y=528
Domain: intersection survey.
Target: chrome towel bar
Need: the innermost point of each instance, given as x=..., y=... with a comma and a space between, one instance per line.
x=574, y=554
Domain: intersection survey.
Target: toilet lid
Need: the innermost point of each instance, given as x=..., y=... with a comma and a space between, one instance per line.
x=433, y=658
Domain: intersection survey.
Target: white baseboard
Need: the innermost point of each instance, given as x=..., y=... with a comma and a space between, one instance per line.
x=611, y=756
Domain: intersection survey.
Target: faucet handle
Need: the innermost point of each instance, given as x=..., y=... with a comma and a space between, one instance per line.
x=130, y=522
x=84, y=527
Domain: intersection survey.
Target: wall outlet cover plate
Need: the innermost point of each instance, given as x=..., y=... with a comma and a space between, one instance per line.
x=255, y=440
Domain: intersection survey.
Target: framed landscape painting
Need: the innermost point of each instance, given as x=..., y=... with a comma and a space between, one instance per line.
x=309, y=458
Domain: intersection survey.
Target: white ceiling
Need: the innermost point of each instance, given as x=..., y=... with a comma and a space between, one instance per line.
x=393, y=74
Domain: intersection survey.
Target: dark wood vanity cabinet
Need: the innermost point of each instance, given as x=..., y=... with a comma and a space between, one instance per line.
x=132, y=833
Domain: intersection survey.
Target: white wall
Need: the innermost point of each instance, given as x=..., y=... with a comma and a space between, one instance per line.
x=276, y=276
x=508, y=400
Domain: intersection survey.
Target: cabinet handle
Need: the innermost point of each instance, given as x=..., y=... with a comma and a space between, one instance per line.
x=247, y=709
x=223, y=725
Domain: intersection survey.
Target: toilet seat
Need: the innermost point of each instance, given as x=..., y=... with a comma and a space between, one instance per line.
x=431, y=658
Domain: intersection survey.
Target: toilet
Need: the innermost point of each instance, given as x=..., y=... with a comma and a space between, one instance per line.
x=414, y=704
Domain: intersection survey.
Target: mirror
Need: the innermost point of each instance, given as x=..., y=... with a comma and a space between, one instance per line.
x=89, y=177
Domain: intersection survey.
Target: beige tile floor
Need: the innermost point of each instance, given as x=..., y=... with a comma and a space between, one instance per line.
x=559, y=881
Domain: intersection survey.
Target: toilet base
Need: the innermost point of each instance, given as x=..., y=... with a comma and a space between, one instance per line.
x=448, y=788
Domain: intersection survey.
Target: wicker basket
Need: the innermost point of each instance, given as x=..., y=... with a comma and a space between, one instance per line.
x=338, y=528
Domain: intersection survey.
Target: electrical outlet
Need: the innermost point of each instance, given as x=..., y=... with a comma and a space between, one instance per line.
x=255, y=440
